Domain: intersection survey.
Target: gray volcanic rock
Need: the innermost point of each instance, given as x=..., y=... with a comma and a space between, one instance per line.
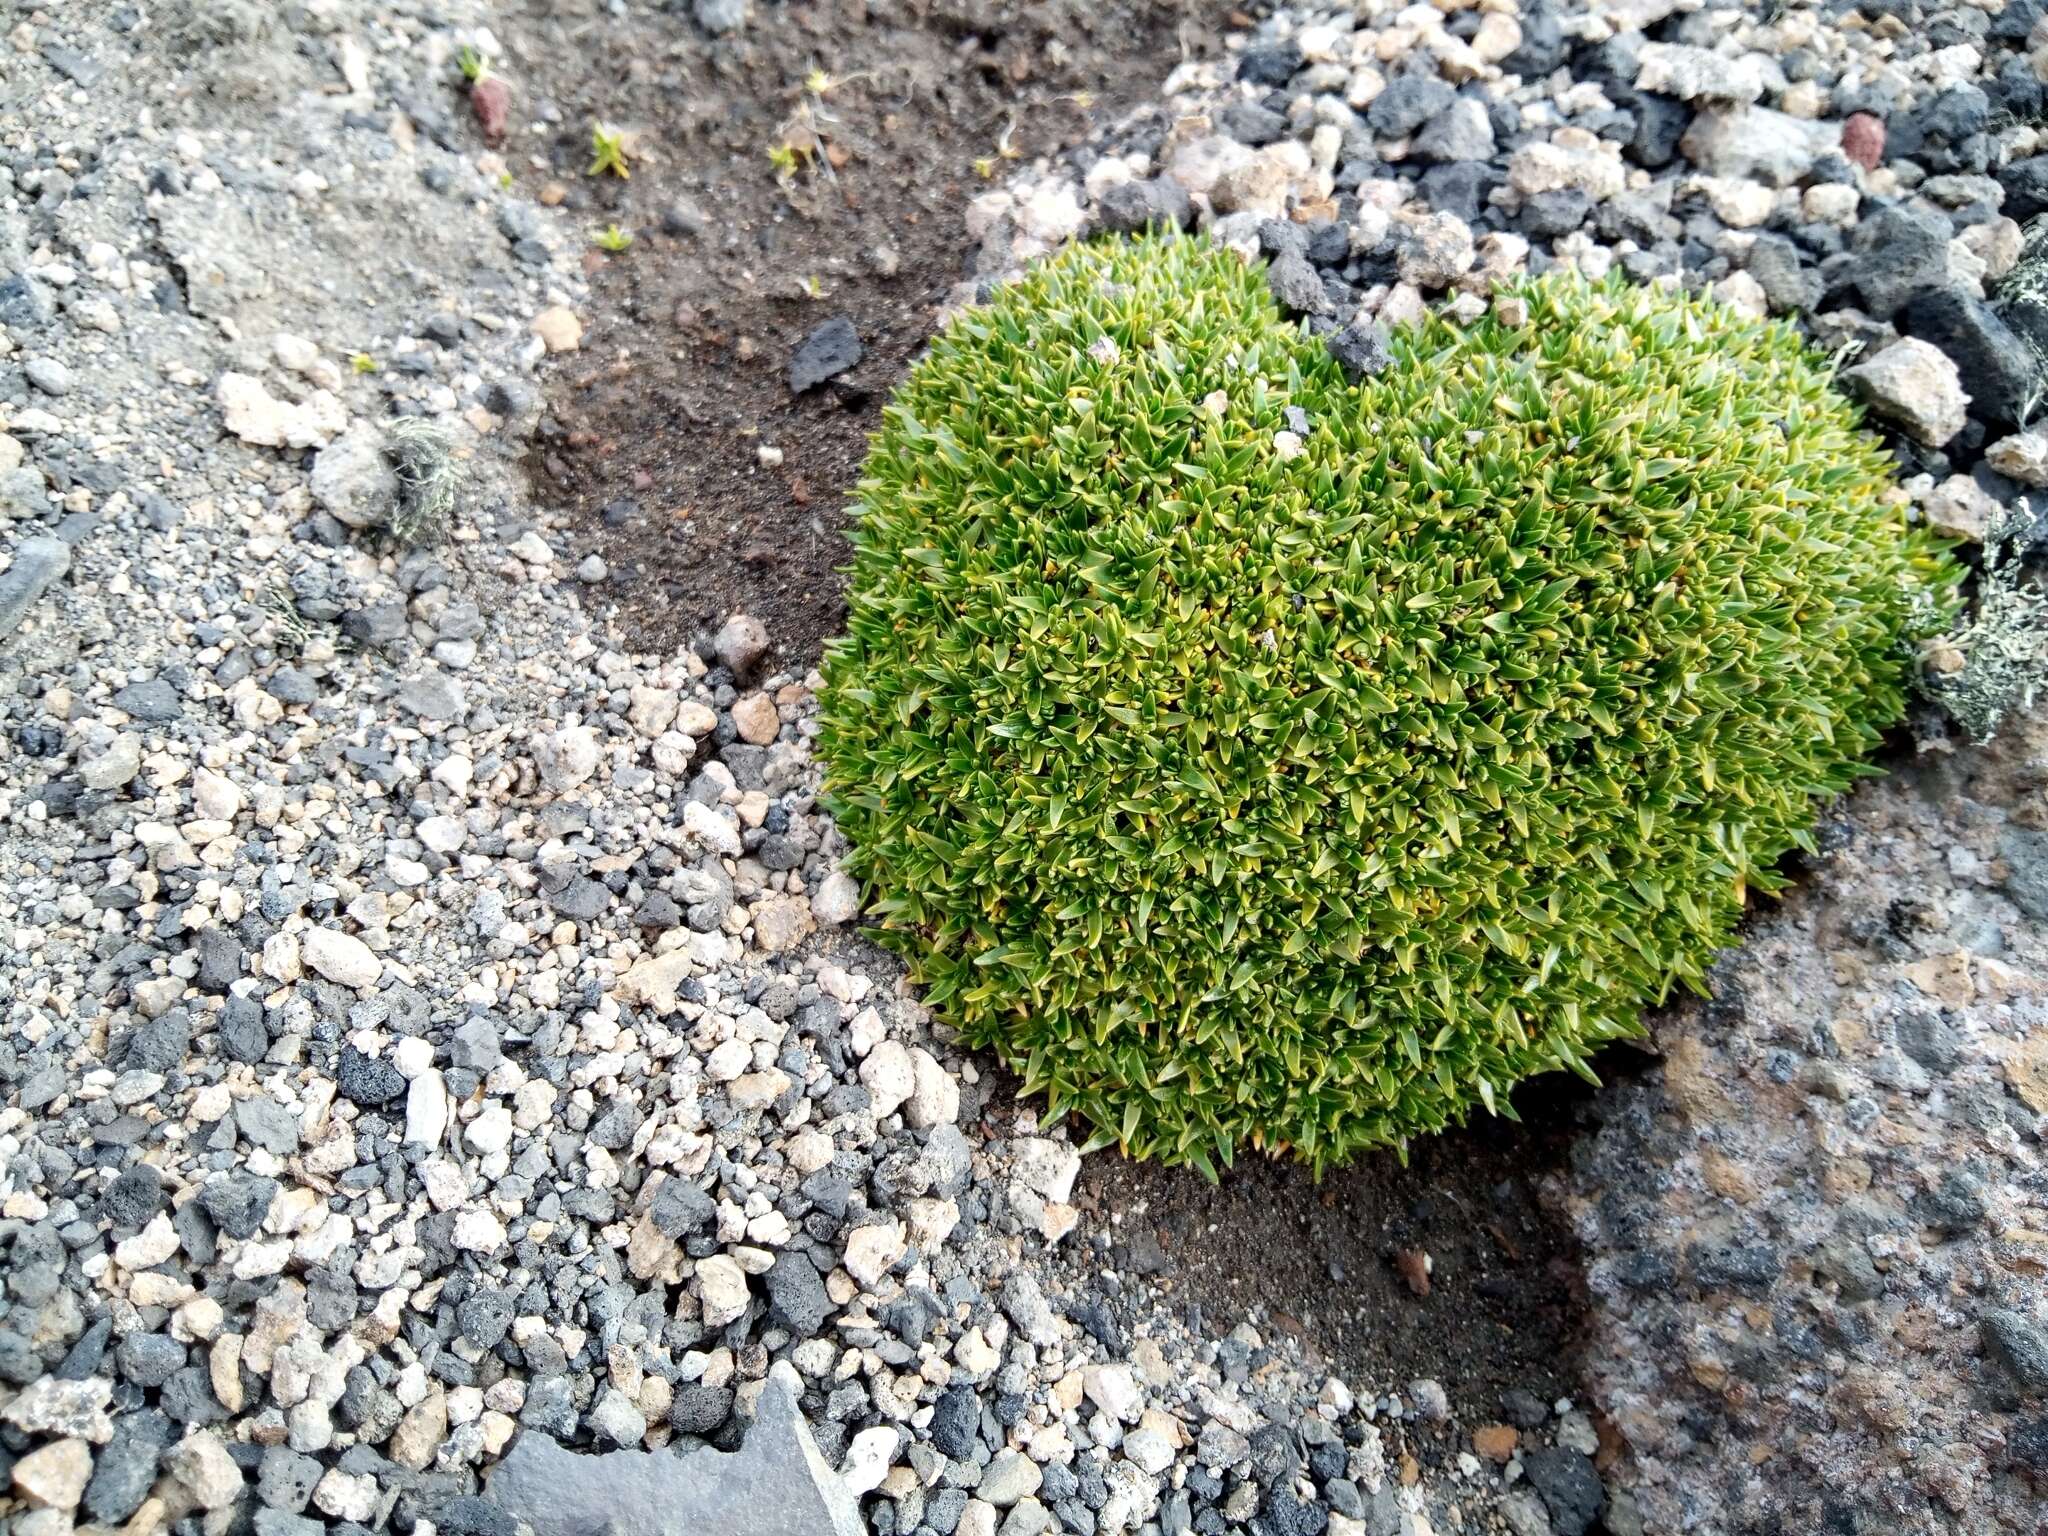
x=775, y=1484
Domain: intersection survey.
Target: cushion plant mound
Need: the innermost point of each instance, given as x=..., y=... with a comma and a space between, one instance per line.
x=1256, y=758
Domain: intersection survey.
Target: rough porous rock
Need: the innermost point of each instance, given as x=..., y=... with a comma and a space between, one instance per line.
x=1815, y=1226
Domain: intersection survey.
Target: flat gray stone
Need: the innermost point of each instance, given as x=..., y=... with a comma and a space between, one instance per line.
x=775, y=1484
x=37, y=563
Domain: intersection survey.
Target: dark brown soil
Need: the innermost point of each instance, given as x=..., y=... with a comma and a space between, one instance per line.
x=1328, y=1264
x=680, y=381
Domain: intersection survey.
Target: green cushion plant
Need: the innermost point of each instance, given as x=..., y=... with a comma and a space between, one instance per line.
x=1254, y=757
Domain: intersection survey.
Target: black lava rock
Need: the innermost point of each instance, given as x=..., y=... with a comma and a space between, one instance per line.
x=1548, y=215
x=285, y=1479
x=1132, y=206
x=124, y=1470
x=1788, y=286
x=1461, y=132
x=2028, y=1447
x=796, y=1294
x=1898, y=251
x=160, y=1044
x=368, y=1081
x=1249, y=123
x=827, y=352
x=956, y=1422
x=680, y=1209
x=467, y=1515
x=148, y=1359
x=1523, y=1409
x=1569, y=1487
x=1408, y=102
x=1273, y=65
x=697, y=1409
x=485, y=1316
x=155, y=701
x=220, y=959
x=2018, y=1347
x=1282, y=1514
x=1296, y=285
x=1660, y=124
x=241, y=1031
x=1955, y=1205
x=1458, y=189
x=1733, y=1267
x=1361, y=348
x=2026, y=188
x=1953, y=116
x=1275, y=1461
x=134, y=1197
x=1543, y=45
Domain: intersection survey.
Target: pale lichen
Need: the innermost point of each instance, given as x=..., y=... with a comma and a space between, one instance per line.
x=429, y=479
x=1997, y=663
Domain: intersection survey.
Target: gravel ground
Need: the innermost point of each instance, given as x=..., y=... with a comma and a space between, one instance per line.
x=437, y=1028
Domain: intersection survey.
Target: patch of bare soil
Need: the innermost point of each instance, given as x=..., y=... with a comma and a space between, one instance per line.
x=1450, y=1267
x=885, y=120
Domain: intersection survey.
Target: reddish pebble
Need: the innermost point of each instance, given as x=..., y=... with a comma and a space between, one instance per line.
x=1496, y=1442
x=1413, y=1265
x=491, y=99
x=1863, y=139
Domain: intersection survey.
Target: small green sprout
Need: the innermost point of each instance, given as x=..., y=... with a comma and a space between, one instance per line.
x=362, y=362
x=611, y=238
x=475, y=65
x=985, y=166
x=504, y=181
x=819, y=81
x=783, y=158
x=608, y=152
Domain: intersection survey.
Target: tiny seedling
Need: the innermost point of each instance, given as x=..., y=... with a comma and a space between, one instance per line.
x=611, y=238
x=822, y=82
x=810, y=287
x=783, y=157
x=362, y=362
x=608, y=153
x=985, y=166
x=474, y=64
